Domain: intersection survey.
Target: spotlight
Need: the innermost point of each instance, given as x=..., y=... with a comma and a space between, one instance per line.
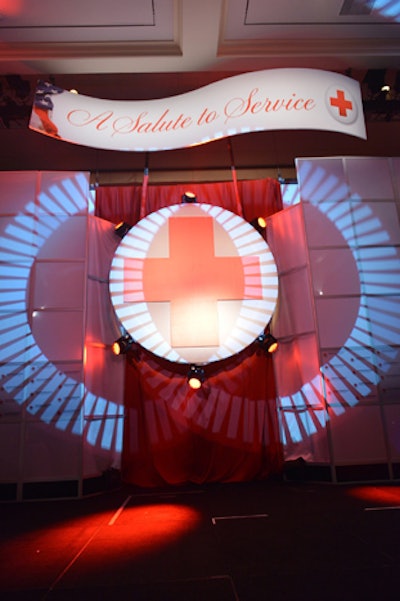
x=195, y=377
x=259, y=223
x=268, y=343
x=122, y=228
x=374, y=80
x=122, y=345
x=189, y=197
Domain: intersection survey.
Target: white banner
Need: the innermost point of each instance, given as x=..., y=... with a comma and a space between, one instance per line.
x=261, y=100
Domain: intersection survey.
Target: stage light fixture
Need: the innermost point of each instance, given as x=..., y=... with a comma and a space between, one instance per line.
x=374, y=80
x=268, y=343
x=122, y=345
x=189, y=197
x=195, y=377
x=122, y=228
x=259, y=223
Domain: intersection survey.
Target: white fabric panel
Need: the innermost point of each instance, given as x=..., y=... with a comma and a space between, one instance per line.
x=334, y=271
x=336, y=318
x=369, y=178
x=285, y=237
x=48, y=311
x=357, y=436
x=10, y=435
x=392, y=424
x=320, y=223
x=17, y=188
x=322, y=179
x=47, y=457
x=378, y=225
x=58, y=285
x=355, y=271
x=65, y=237
x=294, y=313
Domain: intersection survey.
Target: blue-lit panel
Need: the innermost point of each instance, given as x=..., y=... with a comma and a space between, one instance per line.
x=67, y=240
x=290, y=195
x=389, y=9
x=17, y=242
x=322, y=179
x=320, y=223
x=378, y=224
x=63, y=193
x=60, y=409
x=17, y=345
x=42, y=373
x=294, y=427
x=104, y=432
x=343, y=374
x=383, y=315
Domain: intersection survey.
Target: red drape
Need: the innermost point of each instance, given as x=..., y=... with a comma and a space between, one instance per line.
x=228, y=430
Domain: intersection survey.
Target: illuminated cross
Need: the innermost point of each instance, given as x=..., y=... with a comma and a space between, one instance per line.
x=192, y=279
x=341, y=103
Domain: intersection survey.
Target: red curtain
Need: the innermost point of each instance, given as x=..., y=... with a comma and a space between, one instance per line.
x=228, y=430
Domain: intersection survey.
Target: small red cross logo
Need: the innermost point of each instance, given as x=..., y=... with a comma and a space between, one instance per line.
x=193, y=278
x=341, y=103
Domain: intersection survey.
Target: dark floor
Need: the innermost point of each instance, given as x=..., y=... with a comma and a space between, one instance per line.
x=225, y=542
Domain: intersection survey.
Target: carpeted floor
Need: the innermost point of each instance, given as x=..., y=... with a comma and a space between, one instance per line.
x=225, y=542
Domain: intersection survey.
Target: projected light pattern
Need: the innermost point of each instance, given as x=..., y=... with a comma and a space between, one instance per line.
x=351, y=375
x=169, y=411
x=32, y=380
x=134, y=307
x=390, y=9
x=290, y=195
x=354, y=372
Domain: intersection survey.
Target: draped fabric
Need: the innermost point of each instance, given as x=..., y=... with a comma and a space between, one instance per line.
x=226, y=431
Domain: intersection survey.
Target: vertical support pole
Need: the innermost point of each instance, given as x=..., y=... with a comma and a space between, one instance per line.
x=144, y=188
x=239, y=210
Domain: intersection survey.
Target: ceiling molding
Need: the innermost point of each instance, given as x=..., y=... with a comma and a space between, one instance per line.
x=310, y=47
x=81, y=50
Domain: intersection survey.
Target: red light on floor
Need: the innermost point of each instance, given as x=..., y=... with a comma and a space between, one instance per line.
x=380, y=495
x=147, y=529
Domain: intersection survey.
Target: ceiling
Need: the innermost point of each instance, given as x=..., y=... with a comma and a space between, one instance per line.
x=136, y=49
x=140, y=36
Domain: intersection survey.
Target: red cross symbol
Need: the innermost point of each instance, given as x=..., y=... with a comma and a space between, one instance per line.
x=192, y=279
x=341, y=103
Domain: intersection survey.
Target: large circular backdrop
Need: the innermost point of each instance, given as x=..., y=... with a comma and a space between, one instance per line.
x=193, y=283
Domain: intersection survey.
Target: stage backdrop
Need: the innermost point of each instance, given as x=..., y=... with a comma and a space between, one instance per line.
x=337, y=248
x=226, y=431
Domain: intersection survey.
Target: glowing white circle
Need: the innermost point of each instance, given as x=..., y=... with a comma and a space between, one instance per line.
x=240, y=314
